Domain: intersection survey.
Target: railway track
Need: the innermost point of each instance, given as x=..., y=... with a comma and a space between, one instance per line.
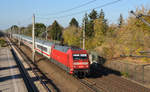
x=89, y=85
x=36, y=71
x=113, y=83
x=29, y=83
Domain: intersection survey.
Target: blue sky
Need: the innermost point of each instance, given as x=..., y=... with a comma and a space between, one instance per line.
x=20, y=12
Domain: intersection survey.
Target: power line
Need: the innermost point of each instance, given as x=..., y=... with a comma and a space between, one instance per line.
x=76, y=7
x=23, y=22
x=76, y=13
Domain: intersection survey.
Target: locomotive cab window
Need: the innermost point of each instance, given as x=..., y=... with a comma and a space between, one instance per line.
x=79, y=56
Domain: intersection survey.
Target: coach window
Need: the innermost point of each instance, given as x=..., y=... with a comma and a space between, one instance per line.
x=39, y=46
x=42, y=48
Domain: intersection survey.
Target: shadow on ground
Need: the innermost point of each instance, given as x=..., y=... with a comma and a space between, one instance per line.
x=98, y=70
x=5, y=78
x=10, y=67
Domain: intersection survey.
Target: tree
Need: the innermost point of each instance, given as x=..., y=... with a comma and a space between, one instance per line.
x=39, y=29
x=22, y=29
x=100, y=29
x=93, y=15
x=55, y=31
x=103, y=22
x=86, y=24
x=120, y=21
x=74, y=22
x=72, y=35
x=101, y=15
x=14, y=28
x=89, y=30
x=28, y=30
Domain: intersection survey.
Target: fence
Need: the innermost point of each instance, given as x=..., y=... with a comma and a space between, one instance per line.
x=139, y=73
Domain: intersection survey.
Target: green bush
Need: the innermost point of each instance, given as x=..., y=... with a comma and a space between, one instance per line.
x=125, y=74
x=2, y=43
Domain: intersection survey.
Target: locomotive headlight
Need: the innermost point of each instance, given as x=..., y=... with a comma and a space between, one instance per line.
x=75, y=54
x=84, y=55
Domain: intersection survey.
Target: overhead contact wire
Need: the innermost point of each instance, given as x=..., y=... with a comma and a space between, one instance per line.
x=76, y=13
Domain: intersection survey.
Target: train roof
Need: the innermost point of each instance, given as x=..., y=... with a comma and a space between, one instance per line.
x=44, y=42
x=61, y=48
x=47, y=43
x=66, y=48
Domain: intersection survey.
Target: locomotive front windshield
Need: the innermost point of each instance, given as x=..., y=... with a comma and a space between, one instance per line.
x=79, y=56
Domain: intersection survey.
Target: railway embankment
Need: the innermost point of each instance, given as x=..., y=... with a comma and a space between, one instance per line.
x=11, y=79
x=137, y=72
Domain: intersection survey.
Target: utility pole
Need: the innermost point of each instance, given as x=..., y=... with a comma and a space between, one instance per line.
x=19, y=35
x=10, y=33
x=84, y=34
x=46, y=33
x=33, y=38
x=81, y=36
